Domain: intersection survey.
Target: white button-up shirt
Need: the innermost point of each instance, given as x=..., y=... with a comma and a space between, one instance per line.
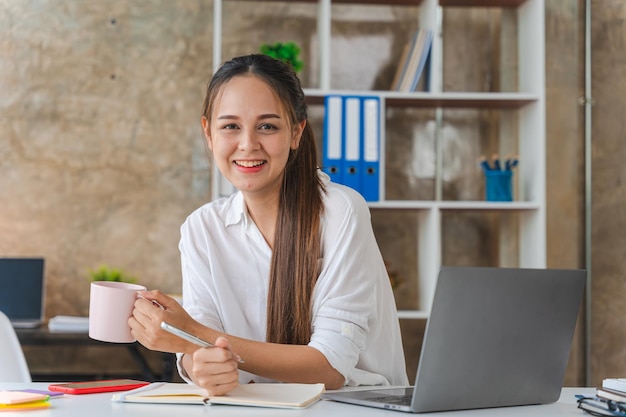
x=225, y=268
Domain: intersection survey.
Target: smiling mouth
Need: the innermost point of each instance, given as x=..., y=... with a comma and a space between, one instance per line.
x=249, y=164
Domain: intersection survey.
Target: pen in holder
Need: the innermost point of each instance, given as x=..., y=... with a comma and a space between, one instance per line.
x=498, y=179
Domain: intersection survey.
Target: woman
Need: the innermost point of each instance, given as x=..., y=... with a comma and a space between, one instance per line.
x=286, y=273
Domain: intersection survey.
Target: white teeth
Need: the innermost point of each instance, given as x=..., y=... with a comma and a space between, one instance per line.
x=249, y=164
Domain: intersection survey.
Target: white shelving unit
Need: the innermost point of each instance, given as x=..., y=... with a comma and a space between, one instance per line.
x=528, y=102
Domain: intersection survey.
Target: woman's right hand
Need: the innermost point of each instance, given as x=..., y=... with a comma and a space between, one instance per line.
x=214, y=368
x=152, y=308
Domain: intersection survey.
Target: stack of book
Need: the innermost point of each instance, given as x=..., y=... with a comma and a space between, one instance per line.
x=613, y=389
x=69, y=324
x=413, y=62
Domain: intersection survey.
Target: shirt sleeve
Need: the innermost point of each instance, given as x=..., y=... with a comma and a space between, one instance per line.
x=198, y=298
x=194, y=264
x=347, y=293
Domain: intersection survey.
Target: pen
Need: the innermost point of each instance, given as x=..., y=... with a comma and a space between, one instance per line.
x=484, y=164
x=510, y=163
x=190, y=338
x=496, y=162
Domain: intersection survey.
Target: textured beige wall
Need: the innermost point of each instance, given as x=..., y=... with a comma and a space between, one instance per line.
x=102, y=156
x=608, y=324
x=102, y=153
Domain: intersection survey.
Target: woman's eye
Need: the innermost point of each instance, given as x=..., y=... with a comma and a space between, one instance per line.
x=267, y=126
x=230, y=126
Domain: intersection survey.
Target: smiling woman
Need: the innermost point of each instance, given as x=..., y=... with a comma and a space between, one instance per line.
x=285, y=273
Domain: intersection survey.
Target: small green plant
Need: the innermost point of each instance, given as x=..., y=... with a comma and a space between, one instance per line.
x=106, y=273
x=288, y=52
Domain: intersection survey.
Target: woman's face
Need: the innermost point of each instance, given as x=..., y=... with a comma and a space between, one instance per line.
x=250, y=135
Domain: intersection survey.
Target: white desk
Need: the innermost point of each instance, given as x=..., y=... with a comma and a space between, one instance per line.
x=96, y=405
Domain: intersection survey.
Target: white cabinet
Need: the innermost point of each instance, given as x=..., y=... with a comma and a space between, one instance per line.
x=523, y=126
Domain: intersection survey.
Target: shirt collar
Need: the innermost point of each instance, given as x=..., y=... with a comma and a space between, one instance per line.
x=236, y=211
x=323, y=176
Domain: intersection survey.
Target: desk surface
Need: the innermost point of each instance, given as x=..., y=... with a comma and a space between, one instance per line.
x=97, y=405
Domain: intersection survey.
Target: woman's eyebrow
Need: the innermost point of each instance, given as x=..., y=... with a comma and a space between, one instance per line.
x=263, y=116
x=226, y=117
x=269, y=116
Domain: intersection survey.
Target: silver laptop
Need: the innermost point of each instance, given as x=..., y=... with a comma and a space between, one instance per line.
x=495, y=337
x=22, y=291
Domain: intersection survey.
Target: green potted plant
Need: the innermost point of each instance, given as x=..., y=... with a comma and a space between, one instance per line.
x=106, y=273
x=288, y=52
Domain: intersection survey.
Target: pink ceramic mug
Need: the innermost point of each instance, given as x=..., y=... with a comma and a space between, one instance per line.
x=110, y=306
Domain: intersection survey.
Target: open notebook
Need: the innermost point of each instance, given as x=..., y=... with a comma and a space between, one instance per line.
x=495, y=337
x=255, y=395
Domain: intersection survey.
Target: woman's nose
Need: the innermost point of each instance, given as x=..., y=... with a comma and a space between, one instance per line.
x=248, y=140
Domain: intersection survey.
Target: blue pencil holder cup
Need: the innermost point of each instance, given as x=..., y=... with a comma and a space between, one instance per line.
x=498, y=185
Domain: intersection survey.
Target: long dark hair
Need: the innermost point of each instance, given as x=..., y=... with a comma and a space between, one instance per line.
x=294, y=267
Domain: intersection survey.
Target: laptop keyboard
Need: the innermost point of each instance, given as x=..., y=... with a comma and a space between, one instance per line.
x=393, y=399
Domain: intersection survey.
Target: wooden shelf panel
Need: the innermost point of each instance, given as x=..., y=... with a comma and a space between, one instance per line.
x=362, y=2
x=460, y=100
x=444, y=3
x=413, y=314
x=488, y=205
x=402, y=205
x=454, y=205
x=481, y=3
x=380, y=2
x=432, y=100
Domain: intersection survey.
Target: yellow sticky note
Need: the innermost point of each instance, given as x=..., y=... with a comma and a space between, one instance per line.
x=33, y=405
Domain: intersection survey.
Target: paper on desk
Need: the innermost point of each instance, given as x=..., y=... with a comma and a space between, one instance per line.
x=69, y=324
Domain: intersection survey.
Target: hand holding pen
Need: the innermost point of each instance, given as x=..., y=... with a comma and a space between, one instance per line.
x=191, y=338
x=209, y=369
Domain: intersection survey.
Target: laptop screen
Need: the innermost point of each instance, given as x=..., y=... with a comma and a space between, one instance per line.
x=22, y=289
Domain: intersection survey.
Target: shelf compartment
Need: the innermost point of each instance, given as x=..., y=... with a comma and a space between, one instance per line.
x=401, y=235
x=398, y=237
x=490, y=239
x=282, y=22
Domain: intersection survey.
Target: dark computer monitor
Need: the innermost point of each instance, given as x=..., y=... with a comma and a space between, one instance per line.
x=22, y=290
